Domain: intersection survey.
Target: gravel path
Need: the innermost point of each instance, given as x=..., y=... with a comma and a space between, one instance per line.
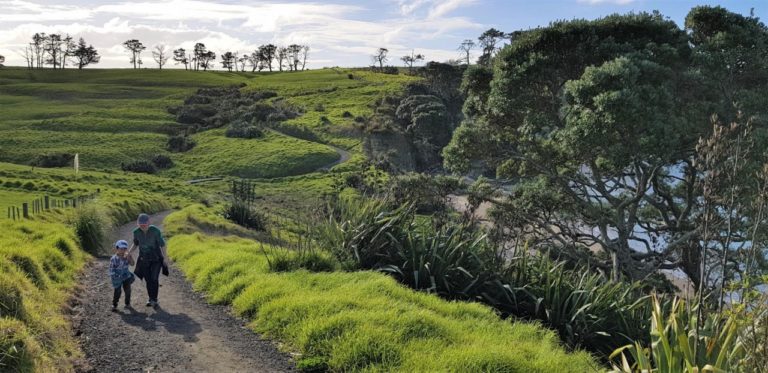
x=184, y=334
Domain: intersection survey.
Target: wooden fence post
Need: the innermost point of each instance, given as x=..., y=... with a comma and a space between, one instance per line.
x=47, y=201
x=25, y=208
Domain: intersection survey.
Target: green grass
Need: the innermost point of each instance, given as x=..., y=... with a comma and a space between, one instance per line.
x=362, y=321
x=270, y=156
x=117, y=116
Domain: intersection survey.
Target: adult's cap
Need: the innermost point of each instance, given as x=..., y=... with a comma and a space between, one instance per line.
x=143, y=219
x=121, y=244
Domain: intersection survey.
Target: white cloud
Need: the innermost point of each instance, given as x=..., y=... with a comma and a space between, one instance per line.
x=337, y=33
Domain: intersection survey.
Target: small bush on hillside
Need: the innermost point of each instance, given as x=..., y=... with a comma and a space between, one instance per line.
x=359, y=119
x=195, y=113
x=350, y=76
x=244, y=130
x=319, y=107
x=139, y=166
x=347, y=114
x=162, y=161
x=180, y=143
x=428, y=193
x=244, y=215
x=54, y=160
x=92, y=225
x=324, y=120
x=289, y=260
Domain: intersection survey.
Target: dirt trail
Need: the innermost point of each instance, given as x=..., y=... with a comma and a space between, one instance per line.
x=184, y=334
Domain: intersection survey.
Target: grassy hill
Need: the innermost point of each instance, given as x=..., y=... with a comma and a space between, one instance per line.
x=117, y=116
x=111, y=117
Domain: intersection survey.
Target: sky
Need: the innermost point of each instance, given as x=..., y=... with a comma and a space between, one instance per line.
x=339, y=32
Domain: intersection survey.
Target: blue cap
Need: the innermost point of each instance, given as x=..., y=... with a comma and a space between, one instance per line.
x=143, y=219
x=121, y=244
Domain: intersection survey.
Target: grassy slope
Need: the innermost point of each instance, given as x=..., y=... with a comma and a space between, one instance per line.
x=359, y=321
x=116, y=116
x=40, y=257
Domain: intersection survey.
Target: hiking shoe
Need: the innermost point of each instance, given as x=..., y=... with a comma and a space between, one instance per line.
x=154, y=303
x=128, y=306
x=149, y=303
x=114, y=308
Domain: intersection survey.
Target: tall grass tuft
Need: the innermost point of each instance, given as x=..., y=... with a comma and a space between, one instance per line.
x=92, y=226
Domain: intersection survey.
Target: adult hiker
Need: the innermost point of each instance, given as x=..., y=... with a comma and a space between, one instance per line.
x=152, y=256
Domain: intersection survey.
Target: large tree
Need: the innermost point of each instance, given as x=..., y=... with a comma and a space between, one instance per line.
x=411, y=59
x=281, y=56
x=85, y=54
x=598, y=121
x=2, y=60
x=135, y=48
x=53, y=48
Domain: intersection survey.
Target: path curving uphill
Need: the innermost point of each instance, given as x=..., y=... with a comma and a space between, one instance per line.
x=184, y=334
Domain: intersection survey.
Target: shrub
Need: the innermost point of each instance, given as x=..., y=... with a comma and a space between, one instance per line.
x=346, y=114
x=324, y=120
x=195, y=113
x=244, y=130
x=359, y=119
x=428, y=193
x=319, y=107
x=92, y=225
x=140, y=166
x=350, y=76
x=54, y=160
x=162, y=161
x=179, y=143
x=675, y=347
x=244, y=215
x=301, y=256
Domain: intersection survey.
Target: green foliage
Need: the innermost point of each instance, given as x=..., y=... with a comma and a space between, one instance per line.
x=179, y=143
x=54, y=160
x=18, y=349
x=363, y=321
x=245, y=215
x=244, y=130
x=429, y=194
x=142, y=166
x=92, y=226
x=162, y=161
x=678, y=344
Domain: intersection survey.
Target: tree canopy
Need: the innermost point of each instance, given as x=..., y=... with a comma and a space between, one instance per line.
x=598, y=121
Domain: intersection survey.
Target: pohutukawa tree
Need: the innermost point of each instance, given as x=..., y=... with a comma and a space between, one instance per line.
x=598, y=121
x=85, y=54
x=160, y=55
x=134, y=47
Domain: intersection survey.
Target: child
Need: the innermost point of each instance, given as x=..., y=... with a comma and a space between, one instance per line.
x=120, y=273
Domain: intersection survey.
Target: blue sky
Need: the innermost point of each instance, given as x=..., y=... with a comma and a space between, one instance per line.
x=339, y=32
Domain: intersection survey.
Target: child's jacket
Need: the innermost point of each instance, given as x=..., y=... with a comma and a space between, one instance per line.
x=119, y=270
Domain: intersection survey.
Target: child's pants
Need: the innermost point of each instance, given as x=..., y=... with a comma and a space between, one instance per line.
x=127, y=288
